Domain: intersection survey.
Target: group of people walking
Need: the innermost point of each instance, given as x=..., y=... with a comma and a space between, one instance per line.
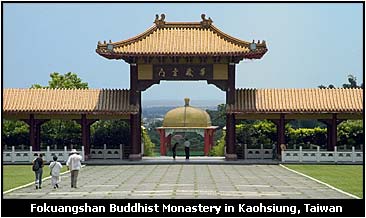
x=73, y=164
x=186, y=148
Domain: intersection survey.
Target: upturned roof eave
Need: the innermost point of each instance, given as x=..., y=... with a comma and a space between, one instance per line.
x=245, y=55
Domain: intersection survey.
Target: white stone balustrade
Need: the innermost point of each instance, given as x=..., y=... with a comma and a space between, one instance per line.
x=22, y=156
x=318, y=155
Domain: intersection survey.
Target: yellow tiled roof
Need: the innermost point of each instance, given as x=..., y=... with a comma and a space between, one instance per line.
x=297, y=100
x=88, y=101
x=186, y=38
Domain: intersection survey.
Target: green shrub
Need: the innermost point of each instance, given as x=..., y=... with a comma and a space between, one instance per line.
x=218, y=149
x=149, y=147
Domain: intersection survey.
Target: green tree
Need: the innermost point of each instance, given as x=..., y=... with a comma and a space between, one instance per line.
x=62, y=132
x=110, y=132
x=68, y=81
x=218, y=117
x=351, y=133
x=15, y=133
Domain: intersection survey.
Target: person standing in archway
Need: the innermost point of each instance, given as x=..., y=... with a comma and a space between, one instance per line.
x=186, y=148
x=174, y=149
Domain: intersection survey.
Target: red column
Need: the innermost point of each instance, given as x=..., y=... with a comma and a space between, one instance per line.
x=32, y=133
x=212, y=131
x=230, y=118
x=333, y=132
x=168, y=142
x=206, y=148
x=281, y=133
x=329, y=137
x=135, y=119
x=35, y=131
x=85, y=133
x=162, y=142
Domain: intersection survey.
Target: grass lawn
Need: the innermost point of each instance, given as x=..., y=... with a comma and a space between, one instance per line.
x=348, y=178
x=17, y=175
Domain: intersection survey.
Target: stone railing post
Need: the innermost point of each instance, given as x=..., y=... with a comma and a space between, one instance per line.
x=335, y=154
x=245, y=151
x=48, y=154
x=65, y=153
x=300, y=154
x=262, y=152
x=104, y=151
x=12, y=154
x=318, y=154
x=30, y=154
x=353, y=154
x=83, y=153
x=120, y=152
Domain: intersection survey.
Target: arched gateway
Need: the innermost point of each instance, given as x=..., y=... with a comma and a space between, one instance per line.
x=186, y=119
x=181, y=51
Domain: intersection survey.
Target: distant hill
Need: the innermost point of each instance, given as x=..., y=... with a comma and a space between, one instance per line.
x=179, y=103
x=158, y=108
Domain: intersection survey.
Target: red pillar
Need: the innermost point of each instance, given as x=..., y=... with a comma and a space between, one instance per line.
x=135, y=119
x=281, y=133
x=230, y=118
x=329, y=137
x=168, y=141
x=32, y=133
x=35, y=131
x=206, y=148
x=162, y=142
x=85, y=133
x=212, y=138
x=333, y=132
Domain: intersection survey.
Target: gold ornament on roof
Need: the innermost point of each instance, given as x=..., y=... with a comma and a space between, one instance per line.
x=186, y=102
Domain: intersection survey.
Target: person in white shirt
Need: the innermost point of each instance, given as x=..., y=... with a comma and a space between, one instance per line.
x=74, y=165
x=186, y=148
x=55, y=169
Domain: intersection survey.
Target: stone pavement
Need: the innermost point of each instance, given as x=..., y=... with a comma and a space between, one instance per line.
x=183, y=181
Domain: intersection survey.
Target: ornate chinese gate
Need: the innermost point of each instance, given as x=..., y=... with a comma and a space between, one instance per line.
x=181, y=51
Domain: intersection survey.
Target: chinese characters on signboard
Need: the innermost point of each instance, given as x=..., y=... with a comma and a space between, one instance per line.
x=183, y=72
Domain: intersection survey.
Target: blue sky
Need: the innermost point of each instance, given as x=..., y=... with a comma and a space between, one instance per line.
x=309, y=44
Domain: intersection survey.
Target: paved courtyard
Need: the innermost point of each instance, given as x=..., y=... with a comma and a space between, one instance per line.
x=183, y=181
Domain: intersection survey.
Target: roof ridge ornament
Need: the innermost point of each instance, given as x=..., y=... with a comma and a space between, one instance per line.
x=206, y=22
x=160, y=22
x=186, y=101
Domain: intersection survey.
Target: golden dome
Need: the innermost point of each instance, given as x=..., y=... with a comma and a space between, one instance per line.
x=187, y=116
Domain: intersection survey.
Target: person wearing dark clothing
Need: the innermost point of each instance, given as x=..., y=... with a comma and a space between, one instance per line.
x=186, y=148
x=174, y=149
x=38, y=170
x=274, y=151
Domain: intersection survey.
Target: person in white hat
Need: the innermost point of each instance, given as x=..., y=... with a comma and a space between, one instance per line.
x=74, y=165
